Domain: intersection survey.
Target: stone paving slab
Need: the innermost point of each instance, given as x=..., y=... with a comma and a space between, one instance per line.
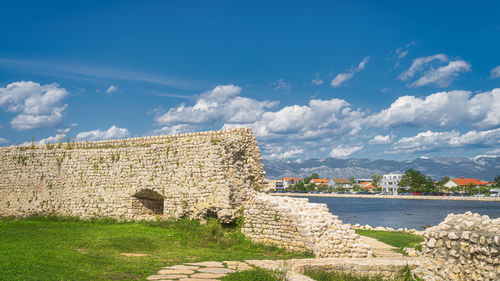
x=217, y=270
x=207, y=275
x=207, y=264
x=175, y=271
x=210, y=271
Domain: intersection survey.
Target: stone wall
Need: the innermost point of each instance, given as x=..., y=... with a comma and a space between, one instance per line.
x=297, y=225
x=462, y=247
x=199, y=175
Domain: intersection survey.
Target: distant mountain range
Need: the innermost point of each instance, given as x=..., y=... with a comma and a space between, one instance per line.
x=484, y=168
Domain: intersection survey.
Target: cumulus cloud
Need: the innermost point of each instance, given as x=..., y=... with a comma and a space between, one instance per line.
x=442, y=76
x=441, y=109
x=3, y=141
x=112, y=133
x=53, y=139
x=318, y=119
x=344, y=151
x=343, y=77
x=175, y=129
x=430, y=141
x=38, y=105
x=280, y=84
x=111, y=89
x=379, y=139
x=222, y=103
x=495, y=72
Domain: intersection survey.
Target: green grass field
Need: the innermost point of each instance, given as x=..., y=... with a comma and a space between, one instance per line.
x=399, y=240
x=55, y=248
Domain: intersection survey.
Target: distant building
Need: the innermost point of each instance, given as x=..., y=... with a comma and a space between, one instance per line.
x=358, y=181
x=366, y=184
x=276, y=185
x=390, y=182
x=287, y=182
x=463, y=182
x=320, y=181
x=340, y=183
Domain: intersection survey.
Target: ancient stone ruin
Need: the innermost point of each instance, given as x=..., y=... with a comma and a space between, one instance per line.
x=215, y=174
x=462, y=247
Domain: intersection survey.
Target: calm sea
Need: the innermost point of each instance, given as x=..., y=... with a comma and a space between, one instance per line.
x=398, y=213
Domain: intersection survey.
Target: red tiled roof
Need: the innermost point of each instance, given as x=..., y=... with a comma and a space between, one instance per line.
x=320, y=180
x=295, y=179
x=367, y=186
x=463, y=182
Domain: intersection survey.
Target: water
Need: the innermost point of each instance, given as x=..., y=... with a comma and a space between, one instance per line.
x=402, y=213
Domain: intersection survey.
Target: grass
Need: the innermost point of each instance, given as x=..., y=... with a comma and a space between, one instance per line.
x=259, y=274
x=56, y=248
x=396, y=239
x=256, y=274
x=323, y=275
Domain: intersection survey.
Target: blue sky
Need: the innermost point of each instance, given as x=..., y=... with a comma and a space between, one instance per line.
x=377, y=79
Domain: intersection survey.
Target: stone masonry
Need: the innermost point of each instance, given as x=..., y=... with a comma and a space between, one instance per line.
x=200, y=175
x=298, y=225
x=462, y=247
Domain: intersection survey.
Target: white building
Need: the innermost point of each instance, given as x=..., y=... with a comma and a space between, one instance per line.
x=390, y=182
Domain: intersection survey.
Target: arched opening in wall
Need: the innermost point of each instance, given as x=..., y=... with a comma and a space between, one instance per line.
x=147, y=202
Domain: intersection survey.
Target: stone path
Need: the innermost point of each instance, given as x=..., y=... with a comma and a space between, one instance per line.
x=385, y=255
x=201, y=271
x=380, y=249
x=212, y=270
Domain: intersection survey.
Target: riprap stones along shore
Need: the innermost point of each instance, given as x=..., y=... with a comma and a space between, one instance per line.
x=462, y=247
x=298, y=225
x=199, y=175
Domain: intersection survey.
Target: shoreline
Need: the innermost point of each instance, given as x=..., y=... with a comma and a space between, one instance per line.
x=411, y=197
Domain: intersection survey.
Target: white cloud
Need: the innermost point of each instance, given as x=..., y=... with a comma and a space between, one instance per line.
x=112, y=133
x=429, y=141
x=490, y=153
x=111, y=89
x=3, y=141
x=176, y=129
x=379, y=139
x=280, y=84
x=292, y=153
x=344, y=151
x=223, y=103
x=419, y=63
x=319, y=119
x=402, y=52
x=343, y=77
x=317, y=80
x=442, y=109
x=443, y=76
x=495, y=72
x=54, y=139
x=66, y=130
x=39, y=105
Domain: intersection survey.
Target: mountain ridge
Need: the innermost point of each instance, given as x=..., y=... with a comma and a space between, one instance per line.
x=483, y=168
